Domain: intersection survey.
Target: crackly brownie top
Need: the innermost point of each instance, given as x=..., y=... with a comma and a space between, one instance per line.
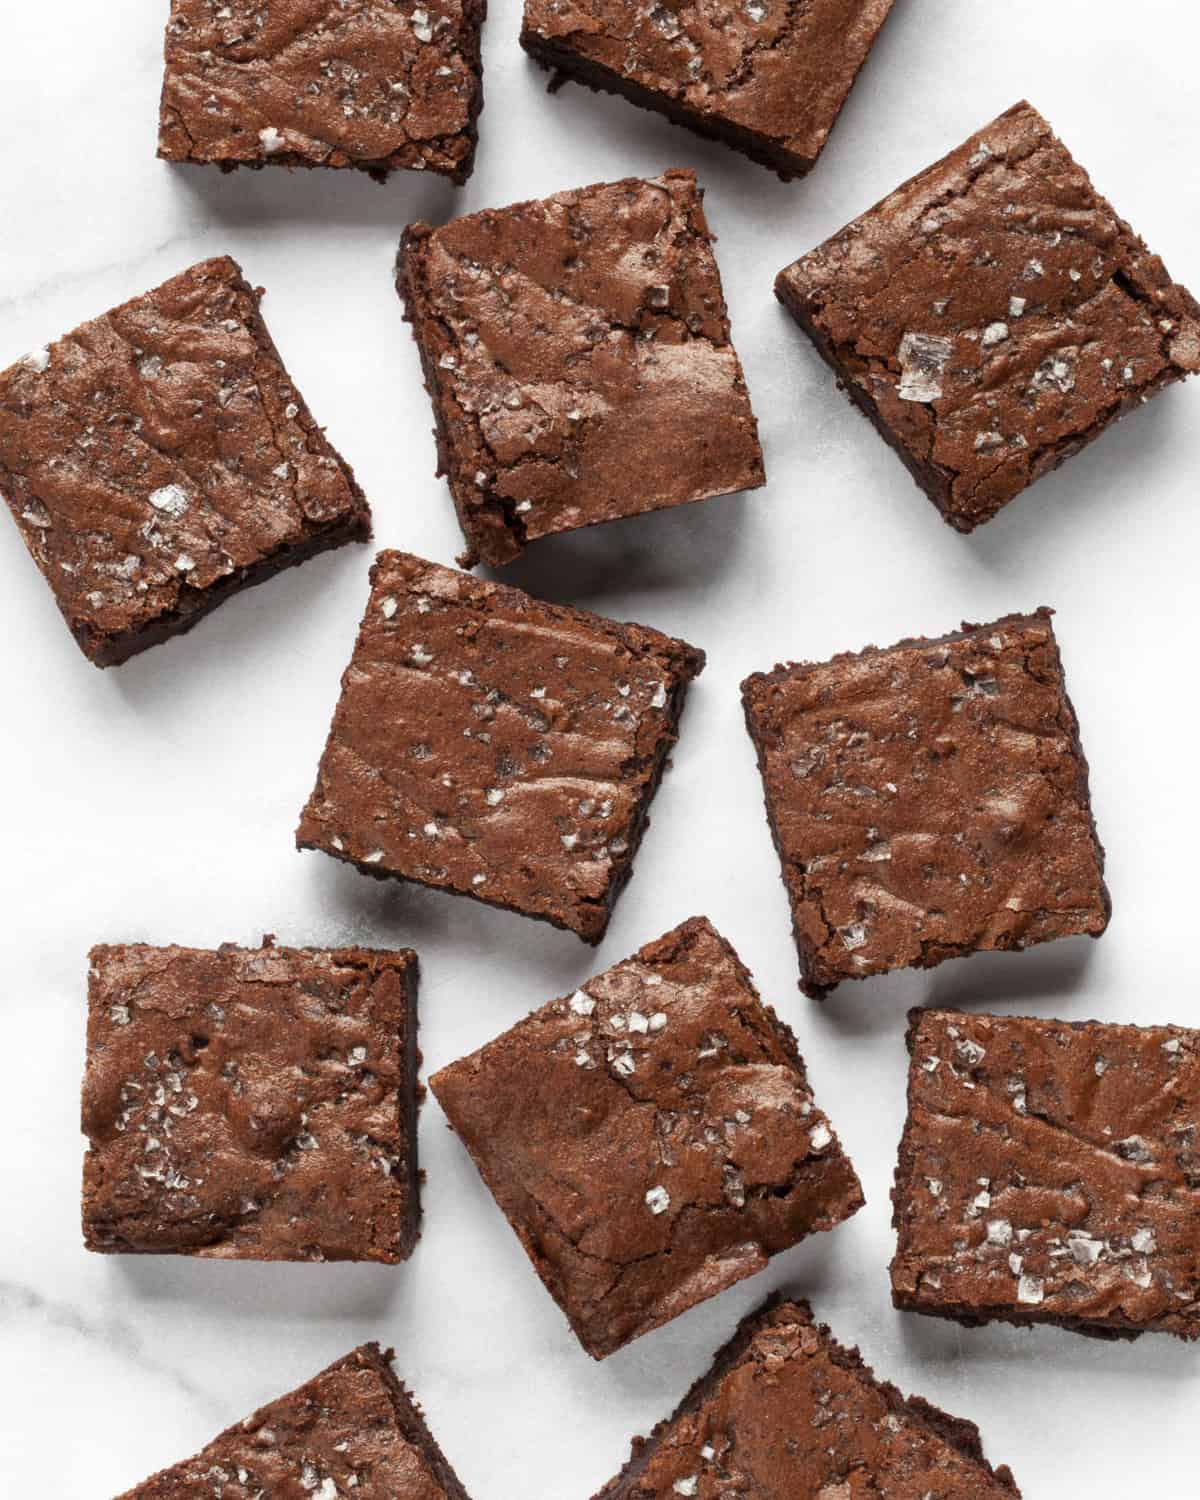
x=779, y=70
x=350, y=1431
x=1051, y=1171
x=995, y=309
x=496, y=745
x=788, y=1412
x=578, y=354
x=248, y=1103
x=652, y=1137
x=366, y=83
x=159, y=450
x=928, y=799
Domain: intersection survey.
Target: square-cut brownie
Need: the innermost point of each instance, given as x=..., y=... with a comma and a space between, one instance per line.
x=993, y=315
x=496, y=746
x=252, y=1104
x=652, y=1138
x=785, y=1410
x=1050, y=1173
x=352, y=1430
x=928, y=800
x=159, y=459
x=578, y=355
x=371, y=84
x=768, y=78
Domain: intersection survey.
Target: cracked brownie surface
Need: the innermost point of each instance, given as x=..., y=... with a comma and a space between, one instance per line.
x=1050, y=1173
x=372, y=84
x=159, y=459
x=768, y=77
x=252, y=1104
x=786, y=1411
x=993, y=316
x=352, y=1430
x=928, y=800
x=578, y=355
x=652, y=1138
x=493, y=745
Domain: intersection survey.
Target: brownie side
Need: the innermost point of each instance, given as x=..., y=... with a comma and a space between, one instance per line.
x=371, y=85
x=993, y=315
x=969, y=704
x=159, y=459
x=577, y=353
x=770, y=85
x=515, y=746
x=252, y=1103
x=666, y=1153
x=722, y=1429
x=353, y=1429
x=1048, y=1173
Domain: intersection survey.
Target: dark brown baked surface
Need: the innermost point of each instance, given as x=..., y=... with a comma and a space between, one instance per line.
x=159, y=459
x=928, y=800
x=578, y=355
x=351, y=1431
x=766, y=77
x=993, y=315
x=652, y=1138
x=496, y=746
x=372, y=84
x=252, y=1104
x=786, y=1411
x=1050, y=1173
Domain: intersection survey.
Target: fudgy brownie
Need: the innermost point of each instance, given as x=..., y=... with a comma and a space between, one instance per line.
x=767, y=77
x=928, y=800
x=159, y=459
x=352, y=1430
x=785, y=1410
x=372, y=84
x=652, y=1138
x=1050, y=1173
x=993, y=315
x=578, y=355
x=252, y=1104
x=492, y=745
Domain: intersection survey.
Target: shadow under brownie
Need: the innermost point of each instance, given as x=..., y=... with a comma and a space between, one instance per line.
x=652, y=1138
x=252, y=1104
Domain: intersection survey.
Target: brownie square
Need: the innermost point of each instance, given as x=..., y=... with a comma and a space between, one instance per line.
x=578, y=355
x=352, y=1430
x=252, y=1104
x=159, y=459
x=370, y=84
x=993, y=315
x=928, y=800
x=1050, y=1173
x=652, y=1138
x=492, y=745
x=785, y=1410
x=768, y=78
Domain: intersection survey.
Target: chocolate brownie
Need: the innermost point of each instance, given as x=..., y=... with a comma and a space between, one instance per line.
x=928, y=800
x=252, y=1104
x=372, y=84
x=578, y=355
x=652, y=1138
x=768, y=78
x=159, y=459
x=785, y=1410
x=1050, y=1173
x=352, y=1430
x=492, y=745
x=993, y=315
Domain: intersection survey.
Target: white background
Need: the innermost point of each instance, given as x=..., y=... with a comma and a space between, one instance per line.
x=156, y=801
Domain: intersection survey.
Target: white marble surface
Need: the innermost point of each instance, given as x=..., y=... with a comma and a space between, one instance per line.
x=157, y=801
